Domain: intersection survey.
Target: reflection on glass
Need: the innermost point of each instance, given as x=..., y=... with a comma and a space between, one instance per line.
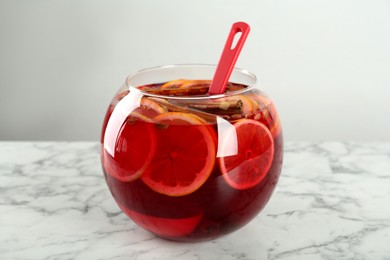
x=119, y=115
x=227, y=138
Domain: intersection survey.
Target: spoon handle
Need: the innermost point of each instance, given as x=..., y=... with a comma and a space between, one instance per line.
x=229, y=57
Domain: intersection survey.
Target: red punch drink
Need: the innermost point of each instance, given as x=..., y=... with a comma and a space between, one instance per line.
x=185, y=165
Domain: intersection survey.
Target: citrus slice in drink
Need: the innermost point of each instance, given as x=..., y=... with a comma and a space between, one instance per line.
x=267, y=113
x=196, y=83
x=150, y=108
x=173, y=83
x=165, y=227
x=133, y=149
x=184, y=157
x=234, y=87
x=254, y=156
x=247, y=105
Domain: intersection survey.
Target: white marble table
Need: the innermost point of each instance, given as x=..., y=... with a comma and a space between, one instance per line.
x=332, y=202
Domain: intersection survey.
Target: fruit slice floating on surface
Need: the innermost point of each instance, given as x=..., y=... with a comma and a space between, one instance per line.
x=184, y=157
x=134, y=148
x=150, y=108
x=183, y=87
x=254, y=158
x=196, y=83
x=234, y=87
x=165, y=227
x=173, y=83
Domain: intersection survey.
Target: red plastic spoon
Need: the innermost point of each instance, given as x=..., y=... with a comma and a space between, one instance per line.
x=228, y=58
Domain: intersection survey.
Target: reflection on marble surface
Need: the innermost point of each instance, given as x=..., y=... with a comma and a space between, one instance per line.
x=332, y=202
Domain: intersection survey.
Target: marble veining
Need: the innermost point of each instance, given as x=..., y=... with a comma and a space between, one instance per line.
x=332, y=202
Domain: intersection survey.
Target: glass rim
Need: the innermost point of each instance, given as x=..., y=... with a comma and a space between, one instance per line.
x=189, y=65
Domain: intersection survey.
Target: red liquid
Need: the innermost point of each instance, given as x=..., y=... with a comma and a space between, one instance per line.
x=210, y=211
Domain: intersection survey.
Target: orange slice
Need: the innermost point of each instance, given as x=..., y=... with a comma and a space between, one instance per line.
x=254, y=158
x=234, y=87
x=267, y=113
x=173, y=83
x=150, y=108
x=195, y=83
x=248, y=105
x=261, y=98
x=165, y=227
x=134, y=149
x=185, y=154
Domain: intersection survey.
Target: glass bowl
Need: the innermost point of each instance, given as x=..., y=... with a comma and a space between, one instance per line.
x=185, y=165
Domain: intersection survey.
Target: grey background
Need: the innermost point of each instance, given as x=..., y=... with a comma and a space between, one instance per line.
x=326, y=64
